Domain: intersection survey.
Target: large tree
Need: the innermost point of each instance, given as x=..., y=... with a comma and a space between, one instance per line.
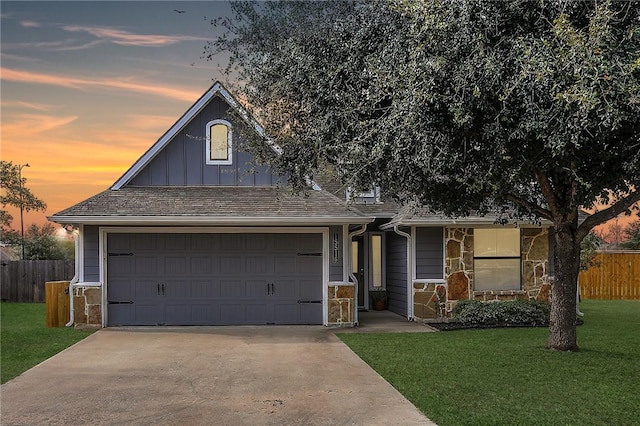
x=632, y=231
x=41, y=243
x=525, y=108
x=15, y=193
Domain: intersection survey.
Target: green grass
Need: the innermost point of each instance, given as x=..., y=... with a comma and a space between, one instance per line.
x=507, y=377
x=25, y=341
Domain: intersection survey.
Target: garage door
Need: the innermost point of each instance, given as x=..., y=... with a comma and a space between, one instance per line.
x=214, y=279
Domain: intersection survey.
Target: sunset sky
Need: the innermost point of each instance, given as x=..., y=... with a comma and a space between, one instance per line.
x=88, y=86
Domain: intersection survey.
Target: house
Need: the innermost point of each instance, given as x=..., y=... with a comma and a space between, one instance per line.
x=197, y=232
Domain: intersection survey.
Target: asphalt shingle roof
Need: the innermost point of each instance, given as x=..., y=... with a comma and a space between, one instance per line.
x=212, y=202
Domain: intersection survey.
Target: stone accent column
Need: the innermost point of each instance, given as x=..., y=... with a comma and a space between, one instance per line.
x=459, y=263
x=87, y=306
x=429, y=300
x=535, y=263
x=341, y=303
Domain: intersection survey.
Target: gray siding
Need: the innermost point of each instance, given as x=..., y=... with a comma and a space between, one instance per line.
x=335, y=268
x=182, y=161
x=91, y=254
x=396, y=272
x=429, y=253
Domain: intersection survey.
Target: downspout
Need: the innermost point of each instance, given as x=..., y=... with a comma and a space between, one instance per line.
x=76, y=240
x=409, y=272
x=353, y=277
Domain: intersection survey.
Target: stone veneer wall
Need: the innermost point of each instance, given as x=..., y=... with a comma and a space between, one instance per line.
x=535, y=263
x=87, y=306
x=535, y=266
x=429, y=300
x=459, y=262
x=341, y=303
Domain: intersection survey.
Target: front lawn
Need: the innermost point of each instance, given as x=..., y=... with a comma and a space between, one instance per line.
x=25, y=341
x=506, y=376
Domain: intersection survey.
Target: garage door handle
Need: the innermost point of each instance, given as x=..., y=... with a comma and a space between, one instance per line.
x=273, y=290
x=309, y=254
x=309, y=301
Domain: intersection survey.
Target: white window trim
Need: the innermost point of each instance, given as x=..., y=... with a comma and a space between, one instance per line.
x=519, y=258
x=229, y=143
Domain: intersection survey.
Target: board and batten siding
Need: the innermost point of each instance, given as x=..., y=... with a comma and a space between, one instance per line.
x=396, y=273
x=182, y=161
x=429, y=245
x=91, y=253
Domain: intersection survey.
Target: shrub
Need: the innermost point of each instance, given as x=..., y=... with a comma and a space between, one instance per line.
x=517, y=312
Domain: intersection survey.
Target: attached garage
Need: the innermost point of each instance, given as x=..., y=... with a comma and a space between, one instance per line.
x=214, y=278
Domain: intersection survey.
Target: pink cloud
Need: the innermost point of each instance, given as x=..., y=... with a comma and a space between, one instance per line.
x=29, y=24
x=126, y=38
x=31, y=124
x=21, y=76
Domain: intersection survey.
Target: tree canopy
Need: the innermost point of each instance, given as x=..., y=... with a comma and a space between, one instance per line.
x=632, y=233
x=525, y=108
x=15, y=193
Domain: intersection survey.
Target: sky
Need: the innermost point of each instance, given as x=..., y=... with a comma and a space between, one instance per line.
x=86, y=87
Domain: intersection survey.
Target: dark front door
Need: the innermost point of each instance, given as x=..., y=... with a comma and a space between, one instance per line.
x=358, y=268
x=210, y=279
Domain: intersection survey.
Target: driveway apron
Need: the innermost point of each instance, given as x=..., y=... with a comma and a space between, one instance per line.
x=206, y=375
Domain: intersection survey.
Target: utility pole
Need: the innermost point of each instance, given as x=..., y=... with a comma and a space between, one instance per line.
x=21, y=207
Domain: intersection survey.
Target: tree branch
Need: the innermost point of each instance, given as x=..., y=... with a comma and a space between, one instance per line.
x=548, y=192
x=530, y=206
x=608, y=213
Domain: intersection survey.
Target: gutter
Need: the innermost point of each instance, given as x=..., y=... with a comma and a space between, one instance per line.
x=208, y=220
x=353, y=277
x=76, y=276
x=409, y=271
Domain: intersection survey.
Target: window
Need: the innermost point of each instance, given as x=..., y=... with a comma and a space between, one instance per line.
x=496, y=259
x=365, y=197
x=354, y=257
x=376, y=261
x=219, y=142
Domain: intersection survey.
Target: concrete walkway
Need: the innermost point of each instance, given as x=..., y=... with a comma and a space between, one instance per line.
x=206, y=375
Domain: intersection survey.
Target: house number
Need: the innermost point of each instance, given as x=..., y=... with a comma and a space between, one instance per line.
x=336, y=248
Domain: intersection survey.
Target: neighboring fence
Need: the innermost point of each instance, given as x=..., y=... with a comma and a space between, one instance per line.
x=23, y=280
x=615, y=276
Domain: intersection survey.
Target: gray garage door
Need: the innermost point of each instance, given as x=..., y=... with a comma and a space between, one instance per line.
x=214, y=279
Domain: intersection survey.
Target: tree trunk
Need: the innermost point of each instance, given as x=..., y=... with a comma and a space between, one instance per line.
x=562, y=327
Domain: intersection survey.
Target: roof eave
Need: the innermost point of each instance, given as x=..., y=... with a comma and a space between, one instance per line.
x=476, y=221
x=208, y=220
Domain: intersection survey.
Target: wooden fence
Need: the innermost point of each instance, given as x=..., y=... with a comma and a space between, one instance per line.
x=23, y=280
x=615, y=276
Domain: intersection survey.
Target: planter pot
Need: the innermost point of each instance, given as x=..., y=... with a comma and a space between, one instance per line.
x=379, y=305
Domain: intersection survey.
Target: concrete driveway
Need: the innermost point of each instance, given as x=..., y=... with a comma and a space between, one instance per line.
x=206, y=375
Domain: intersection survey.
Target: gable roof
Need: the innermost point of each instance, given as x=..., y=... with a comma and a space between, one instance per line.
x=210, y=205
x=216, y=90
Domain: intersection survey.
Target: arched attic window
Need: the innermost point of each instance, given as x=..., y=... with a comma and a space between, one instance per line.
x=219, y=147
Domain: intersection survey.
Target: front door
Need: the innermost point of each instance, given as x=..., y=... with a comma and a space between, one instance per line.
x=358, y=268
